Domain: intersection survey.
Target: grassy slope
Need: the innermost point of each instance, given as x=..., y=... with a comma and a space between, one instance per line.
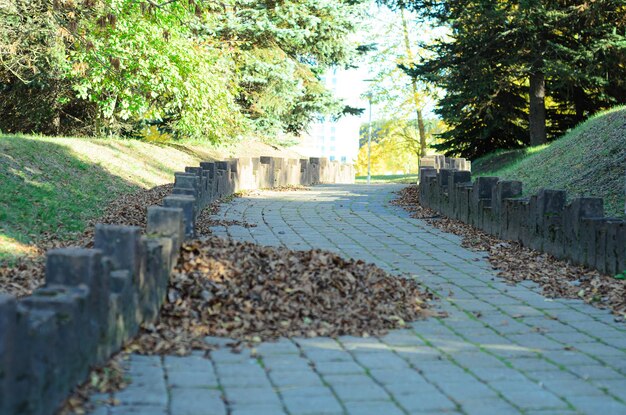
x=55, y=185
x=590, y=160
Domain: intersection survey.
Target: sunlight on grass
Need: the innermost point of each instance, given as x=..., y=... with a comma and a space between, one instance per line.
x=11, y=249
x=142, y=164
x=390, y=178
x=55, y=185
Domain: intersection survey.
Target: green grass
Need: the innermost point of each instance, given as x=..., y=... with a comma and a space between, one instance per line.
x=590, y=160
x=56, y=185
x=391, y=178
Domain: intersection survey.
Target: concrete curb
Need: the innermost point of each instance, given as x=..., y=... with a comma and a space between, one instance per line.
x=578, y=231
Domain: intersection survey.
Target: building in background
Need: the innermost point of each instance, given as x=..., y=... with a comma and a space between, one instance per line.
x=337, y=139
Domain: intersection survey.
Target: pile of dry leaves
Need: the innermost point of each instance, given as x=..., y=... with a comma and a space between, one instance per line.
x=252, y=293
x=517, y=263
x=27, y=273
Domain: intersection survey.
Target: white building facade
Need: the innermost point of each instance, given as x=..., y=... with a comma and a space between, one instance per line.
x=338, y=140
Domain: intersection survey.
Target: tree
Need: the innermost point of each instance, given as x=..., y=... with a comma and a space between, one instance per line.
x=195, y=68
x=518, y=73
x=395, y=145
x=399, y=97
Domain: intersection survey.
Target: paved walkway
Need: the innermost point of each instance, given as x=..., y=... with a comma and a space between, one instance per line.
x=503, y=350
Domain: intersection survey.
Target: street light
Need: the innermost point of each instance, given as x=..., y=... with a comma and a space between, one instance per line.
x=369, y=136
x=369, y=141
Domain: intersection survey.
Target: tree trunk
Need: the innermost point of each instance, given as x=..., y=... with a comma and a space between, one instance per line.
x=537, y=117
x=416, y=98
x=579, y=103
x=422, y=130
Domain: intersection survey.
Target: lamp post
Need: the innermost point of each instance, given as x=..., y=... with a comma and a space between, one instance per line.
x=369, y=141
x=369, y=135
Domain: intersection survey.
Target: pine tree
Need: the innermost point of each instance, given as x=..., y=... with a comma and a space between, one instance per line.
x=519, y=73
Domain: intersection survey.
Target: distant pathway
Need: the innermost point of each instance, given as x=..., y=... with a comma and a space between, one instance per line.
x=503, y=350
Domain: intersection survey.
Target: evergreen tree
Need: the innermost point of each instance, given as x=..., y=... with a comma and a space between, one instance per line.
x=519, y=73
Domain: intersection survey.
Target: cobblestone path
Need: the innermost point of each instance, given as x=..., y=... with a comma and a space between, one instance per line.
x=503, y=349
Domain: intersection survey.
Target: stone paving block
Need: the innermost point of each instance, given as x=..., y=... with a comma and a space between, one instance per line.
x=180, y=379
x=258, y=410
x=597, y=405
x=569, y=336
x=418, y=353
x=381, y=360
x=349, y=379
x=312, y=392
x=236, y=370
x=328, y=356
x=618, y=341
x=196, y=402
x=225, y=355
x=509, y=351
x=489, y=374
x=533, y=364
x=488, y=407
x=435, y=402
x=595, y=372
x=441, y=371
x=188, y=364
x=392, y=376
x=277, y=366
x=138, y=410
x=250, y=397
x=478, y=359
x=283, y=379
x=146, y=375
x=364, y=392
x=282, y=359
x=465, y=390
x=307, y=406
x=540, y=376
x=422, y=387
x=535, y=341
x=519, y=394
x=278, y=348
x=569, y=358
x=372, y=408
x=276, y=363
x=362, y=344
x=338, y=368
x=240, y=381
x=155, y=395
x=571, y=387
x=100, y=410
x=402, y=338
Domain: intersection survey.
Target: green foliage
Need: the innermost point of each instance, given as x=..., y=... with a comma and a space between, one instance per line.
x=395, y=145
x=144, y=67
x=198, y=70
x=493, y=48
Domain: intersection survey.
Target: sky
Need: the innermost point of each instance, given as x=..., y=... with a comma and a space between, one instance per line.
x=384, y=28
